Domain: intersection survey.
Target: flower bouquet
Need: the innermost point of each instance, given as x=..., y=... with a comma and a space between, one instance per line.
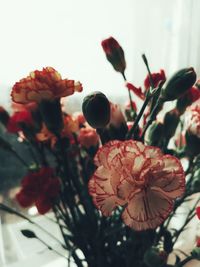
x=114, y=180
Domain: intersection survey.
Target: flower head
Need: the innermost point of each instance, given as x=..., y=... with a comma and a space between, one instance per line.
x=17, y=119
x=88, y=137
x=138, y=177
x=192, y=119
x=39, y=188
x=43, y=85
x=136, y=90
x=114, y=54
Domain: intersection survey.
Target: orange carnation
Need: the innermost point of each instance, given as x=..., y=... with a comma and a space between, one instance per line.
x=43, y=85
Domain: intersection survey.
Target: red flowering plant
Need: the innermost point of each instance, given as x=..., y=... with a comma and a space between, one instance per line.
x=113, y=177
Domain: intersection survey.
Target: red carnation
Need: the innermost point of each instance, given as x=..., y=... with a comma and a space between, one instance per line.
x=136, y=90
x=39, y=188
x=198, y=212
x=156, y=78
x=13, y=125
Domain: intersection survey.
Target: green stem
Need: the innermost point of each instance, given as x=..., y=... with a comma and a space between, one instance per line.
x=148, y=69
x=19, y=158
x=12, y=211
x=134, y=127
x=182, y=263
x=151, y=118
x=129, y=93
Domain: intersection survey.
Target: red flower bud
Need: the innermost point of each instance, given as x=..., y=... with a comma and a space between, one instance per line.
x=114, y=54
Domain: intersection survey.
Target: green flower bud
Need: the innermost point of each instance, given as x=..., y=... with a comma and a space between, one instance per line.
x=154, y=135
x=96, y=109
x=171, y=121
x=195, y=186
x=152, y=258
x=178, y=84
x=196, y=253
x=192, y=144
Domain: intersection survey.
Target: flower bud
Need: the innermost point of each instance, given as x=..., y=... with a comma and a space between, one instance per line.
x=196, y=253
x=178, y=84
x=195, y=185
x=96, y=109
x=171, y=121
x=114, y=54
x=192, y=144
x=152, y=258
x=154, y=135
x=187, y=99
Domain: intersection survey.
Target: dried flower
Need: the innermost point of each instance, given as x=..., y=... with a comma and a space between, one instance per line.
x=114, y=54
x=138, y=177
x=43, y=85
x=39, y=188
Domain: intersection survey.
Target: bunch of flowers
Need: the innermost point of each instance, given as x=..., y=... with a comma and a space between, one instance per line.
x=113, y=178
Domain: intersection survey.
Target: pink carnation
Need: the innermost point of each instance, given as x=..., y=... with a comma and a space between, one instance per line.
x=88, y=137
x=138, y=177
x=192, y=118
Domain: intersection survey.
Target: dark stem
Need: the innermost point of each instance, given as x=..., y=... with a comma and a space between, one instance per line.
x=182, y=263
x=50, y=248
x=148, y=69
x=129, y=93
x=151, y=118
x=12, y=211
x=19, y=158
x=134, y=127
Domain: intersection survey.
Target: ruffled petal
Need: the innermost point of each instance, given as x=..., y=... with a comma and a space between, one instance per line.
x=101, y=157
x=103, y=199
x=146, y=210
x=170, y=179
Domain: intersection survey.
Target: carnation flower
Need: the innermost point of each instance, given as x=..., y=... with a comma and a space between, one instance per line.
x=192, y=119
x=43, y=85
x=156, y=78
x=18, y=118
x=138, y=177
x=136, y=90
x=39, y=188
x=88, y=137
